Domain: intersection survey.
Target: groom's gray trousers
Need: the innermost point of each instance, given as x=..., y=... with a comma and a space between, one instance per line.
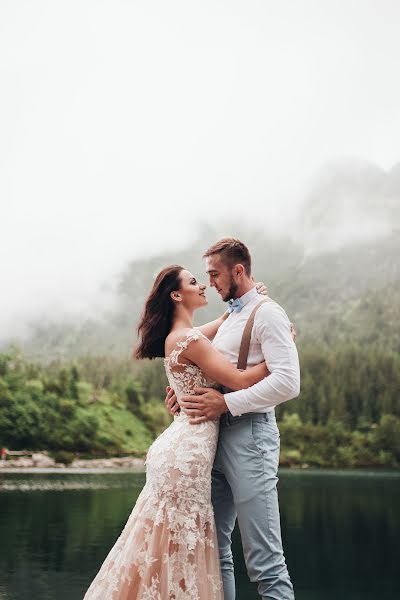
x=244, y=480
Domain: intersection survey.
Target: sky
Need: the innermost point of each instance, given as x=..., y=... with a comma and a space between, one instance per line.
x=125, y=125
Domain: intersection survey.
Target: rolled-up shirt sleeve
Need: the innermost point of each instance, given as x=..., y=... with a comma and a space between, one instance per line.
x=272, y=328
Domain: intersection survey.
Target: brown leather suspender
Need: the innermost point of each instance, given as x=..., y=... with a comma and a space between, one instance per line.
x=246, y=337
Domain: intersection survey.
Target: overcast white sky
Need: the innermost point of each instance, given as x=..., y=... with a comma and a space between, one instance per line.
x=123, y=124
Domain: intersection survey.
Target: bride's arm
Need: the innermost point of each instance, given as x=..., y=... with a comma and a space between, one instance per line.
x=218, y=368
x=210, y=329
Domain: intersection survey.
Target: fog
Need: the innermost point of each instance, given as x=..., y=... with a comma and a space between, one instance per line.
x=125, y=126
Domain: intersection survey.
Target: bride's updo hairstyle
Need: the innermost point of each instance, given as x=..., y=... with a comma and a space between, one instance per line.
x=156, y=320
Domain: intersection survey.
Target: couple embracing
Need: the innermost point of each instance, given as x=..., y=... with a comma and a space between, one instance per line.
x=218, y=460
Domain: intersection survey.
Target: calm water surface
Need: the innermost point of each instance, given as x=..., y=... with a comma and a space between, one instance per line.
x=340, y=531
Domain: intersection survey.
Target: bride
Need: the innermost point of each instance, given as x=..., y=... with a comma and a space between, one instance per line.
x=168, y=548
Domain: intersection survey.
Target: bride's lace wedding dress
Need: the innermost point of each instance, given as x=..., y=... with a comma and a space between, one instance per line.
x=168, y=548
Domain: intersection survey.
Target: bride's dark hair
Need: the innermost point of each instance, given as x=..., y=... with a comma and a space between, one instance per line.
x=156, y=320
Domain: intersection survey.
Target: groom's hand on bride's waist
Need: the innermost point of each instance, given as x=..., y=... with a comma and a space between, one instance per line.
x=207, y=404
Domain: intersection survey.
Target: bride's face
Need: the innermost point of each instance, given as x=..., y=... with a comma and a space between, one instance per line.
x=192, y=292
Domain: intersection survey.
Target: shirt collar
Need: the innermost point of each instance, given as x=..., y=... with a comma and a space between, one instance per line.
x=248, y=296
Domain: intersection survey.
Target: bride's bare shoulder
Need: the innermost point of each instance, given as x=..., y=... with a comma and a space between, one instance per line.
x=175, y=336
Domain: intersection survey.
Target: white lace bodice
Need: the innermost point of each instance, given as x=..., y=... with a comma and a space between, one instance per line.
x=183, y=377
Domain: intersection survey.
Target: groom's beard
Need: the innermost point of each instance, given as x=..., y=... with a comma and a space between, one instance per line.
x=232, y=291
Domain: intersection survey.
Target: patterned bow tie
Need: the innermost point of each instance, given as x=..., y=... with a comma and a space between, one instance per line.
x=235, y=305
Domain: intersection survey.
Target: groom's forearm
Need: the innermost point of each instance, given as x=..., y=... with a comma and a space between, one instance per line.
x=281, y=385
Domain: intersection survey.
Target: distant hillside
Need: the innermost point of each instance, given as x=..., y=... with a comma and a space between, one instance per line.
x=337, y=274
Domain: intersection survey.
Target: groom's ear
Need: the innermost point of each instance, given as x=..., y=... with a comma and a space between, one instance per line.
x=239, y=270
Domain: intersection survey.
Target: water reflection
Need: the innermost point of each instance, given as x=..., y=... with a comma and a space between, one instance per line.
x=339, y=532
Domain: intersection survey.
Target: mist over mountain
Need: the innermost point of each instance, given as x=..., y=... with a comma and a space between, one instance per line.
x=336, y=272
x=351, y=201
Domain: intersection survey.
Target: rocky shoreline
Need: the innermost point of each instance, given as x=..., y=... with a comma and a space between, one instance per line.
x=40, y=460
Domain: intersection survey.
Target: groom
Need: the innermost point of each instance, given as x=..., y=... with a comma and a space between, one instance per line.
x=244, y=476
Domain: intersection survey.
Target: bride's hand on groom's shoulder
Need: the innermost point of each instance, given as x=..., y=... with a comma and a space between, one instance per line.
x=171, y=401
x=261, y=288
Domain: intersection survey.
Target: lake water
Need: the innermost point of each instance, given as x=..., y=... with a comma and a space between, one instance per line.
x=340, y=529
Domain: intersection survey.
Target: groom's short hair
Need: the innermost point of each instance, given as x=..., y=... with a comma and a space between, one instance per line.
x=232, y=252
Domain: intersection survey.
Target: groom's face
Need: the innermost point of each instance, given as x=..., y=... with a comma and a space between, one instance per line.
x=221, y=277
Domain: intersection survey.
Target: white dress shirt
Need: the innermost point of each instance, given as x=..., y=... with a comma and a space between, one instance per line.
x=271, y=340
